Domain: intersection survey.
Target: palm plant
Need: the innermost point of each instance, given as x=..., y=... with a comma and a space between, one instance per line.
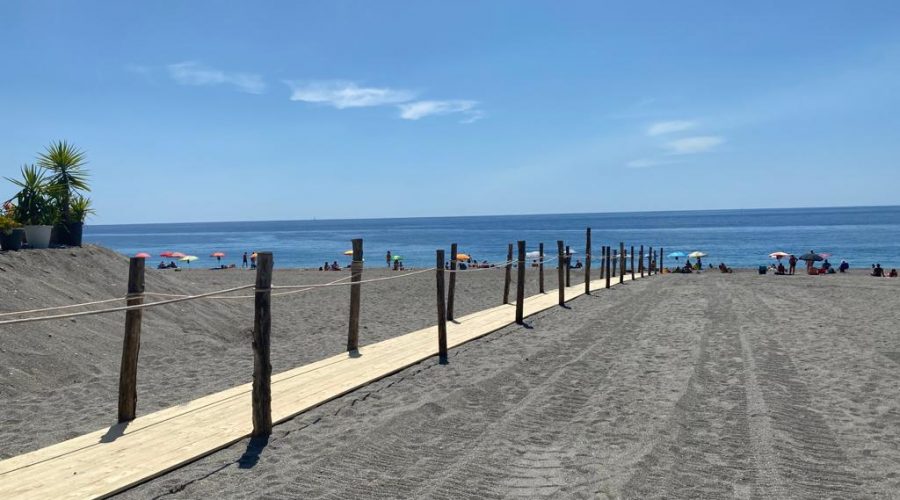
x=67, y=175
x=32, y=205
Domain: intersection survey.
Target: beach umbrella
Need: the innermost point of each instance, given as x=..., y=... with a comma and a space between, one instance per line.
x=217, y=255
x=462, y=256
x=811, y=257
x=348, y=252
x=142, y=255
x=676, y=255
x=167, y=253
x=534, y=254
x=397, y=257
x=189, y=258
x=779, y=255
x=696, y=255
x=175, y=255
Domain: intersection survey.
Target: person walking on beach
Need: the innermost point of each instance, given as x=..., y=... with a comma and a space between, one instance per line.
x=388, y=259
x=244, y=263
x=793, y=264
x=253, y=261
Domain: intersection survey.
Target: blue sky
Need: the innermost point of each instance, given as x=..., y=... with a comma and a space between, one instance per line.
x=195, y=111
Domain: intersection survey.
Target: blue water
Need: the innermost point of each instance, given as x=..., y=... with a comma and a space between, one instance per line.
x=740, y=238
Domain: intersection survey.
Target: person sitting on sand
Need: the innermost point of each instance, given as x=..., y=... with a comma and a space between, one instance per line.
x=893, y=273
x=578, y=264
x=162, y=265
x=325, y=267
x=396, y=264
x=335, y=266
x=781, y=270
x=534, y=263
x=172, y=265
x=688, y=268
x=877, y=271
x=844, y=266
x=826, y=265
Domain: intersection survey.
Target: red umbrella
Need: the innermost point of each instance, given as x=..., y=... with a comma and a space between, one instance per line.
x=167, y=253
x=175, y=255
x=217, y=254
x=142, y=255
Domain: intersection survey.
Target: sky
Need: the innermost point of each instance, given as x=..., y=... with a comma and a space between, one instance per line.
x=217, y=111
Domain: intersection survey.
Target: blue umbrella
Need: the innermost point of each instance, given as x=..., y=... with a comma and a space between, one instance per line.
x=677, y=254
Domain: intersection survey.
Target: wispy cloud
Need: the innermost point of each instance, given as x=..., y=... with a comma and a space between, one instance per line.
x=194, y=73
x=421, y=109
x=661, y=128
x=693, y=145
x=343, y=94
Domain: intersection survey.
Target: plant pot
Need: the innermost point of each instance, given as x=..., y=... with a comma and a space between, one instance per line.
x=12, y=240
x=74, y=232
x=38, y=236
x=58, y=235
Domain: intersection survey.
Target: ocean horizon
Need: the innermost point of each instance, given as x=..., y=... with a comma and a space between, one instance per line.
x=737, y=237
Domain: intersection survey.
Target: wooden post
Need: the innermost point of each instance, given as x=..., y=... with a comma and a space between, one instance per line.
x=262, y=363
x=622, y=262
x=568, y=266
x=608, y=265
x=641, y=261
x=632, y=262
x=615, y=261
x=560, y=262
x=356, y=268
x=650, y=262
x=132, y=344
x=587, y=262
x=441, y=311
x=520, y=285
x=508, y=276
x=451, y=287
x=602, y=261
x=661, y=259
x=541, y=267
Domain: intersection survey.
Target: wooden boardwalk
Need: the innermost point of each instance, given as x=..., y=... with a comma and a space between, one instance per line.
x=111, y=460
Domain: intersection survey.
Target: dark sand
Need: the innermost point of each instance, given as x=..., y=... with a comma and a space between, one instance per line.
x=680, y=386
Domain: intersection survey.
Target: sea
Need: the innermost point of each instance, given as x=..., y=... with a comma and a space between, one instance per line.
x=739, y=238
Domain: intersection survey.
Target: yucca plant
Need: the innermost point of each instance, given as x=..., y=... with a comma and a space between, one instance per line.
x=80, y=208
x=65, y=162
x=32, y=204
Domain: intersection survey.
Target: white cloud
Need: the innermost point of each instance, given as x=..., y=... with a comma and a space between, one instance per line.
x=194, y=73
x=693, y=145
x=342, y=94
x=661, y=128
x=421, y=109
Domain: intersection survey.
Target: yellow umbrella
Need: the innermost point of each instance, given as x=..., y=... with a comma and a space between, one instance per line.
x=462, y=256
x=348, y=252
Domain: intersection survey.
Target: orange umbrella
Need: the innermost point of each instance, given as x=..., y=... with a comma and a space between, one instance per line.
x=175, y=255
x=217, y=254
x=142, y=255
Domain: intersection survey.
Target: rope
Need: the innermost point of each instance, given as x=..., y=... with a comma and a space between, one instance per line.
x=124, y=308
x=17, y=313
x=373, y=280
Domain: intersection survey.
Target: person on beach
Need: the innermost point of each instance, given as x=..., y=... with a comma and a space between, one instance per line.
x=826, y=265
x=252, y=261
x=780, y=269
x=792, y=263
x=162, y=265
x=877, y=271
x=388, y=259
x=893, y=273
x=244, y=262
x=844, y=266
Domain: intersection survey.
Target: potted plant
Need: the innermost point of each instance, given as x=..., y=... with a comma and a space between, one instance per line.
x=11, y=233
x=65, y=162
x=33, y=208
x=79, y=209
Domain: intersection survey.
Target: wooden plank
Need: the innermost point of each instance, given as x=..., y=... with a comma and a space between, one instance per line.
x=111, y=460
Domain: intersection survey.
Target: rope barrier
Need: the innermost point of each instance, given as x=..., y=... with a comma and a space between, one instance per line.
x=124, y=308
x=57, y=308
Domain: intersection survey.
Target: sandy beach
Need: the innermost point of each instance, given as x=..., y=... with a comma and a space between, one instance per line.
x=681, y=386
